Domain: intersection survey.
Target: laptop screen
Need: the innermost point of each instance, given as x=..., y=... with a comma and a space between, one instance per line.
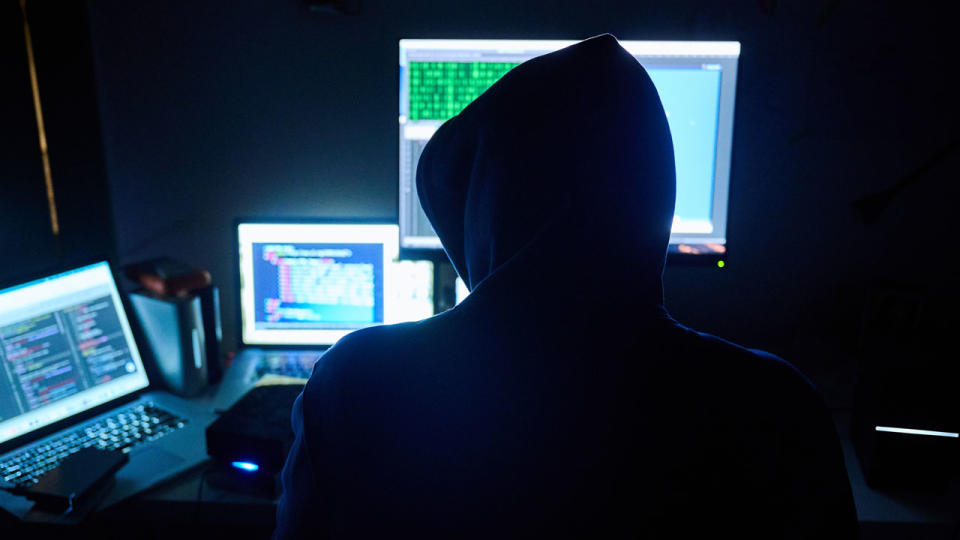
x=65, y=347
x=311, y=283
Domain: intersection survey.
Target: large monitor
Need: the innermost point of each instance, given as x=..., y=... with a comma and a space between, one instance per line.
x=696, y=81
x=65, y=347
x=312, y=282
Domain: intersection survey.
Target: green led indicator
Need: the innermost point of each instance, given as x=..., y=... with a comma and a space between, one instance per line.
x=721, y=264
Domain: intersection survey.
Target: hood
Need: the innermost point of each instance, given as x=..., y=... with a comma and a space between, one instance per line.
x=564, y=167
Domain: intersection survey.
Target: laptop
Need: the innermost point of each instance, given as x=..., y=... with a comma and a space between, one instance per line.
x=306, y=283
x=71, y=377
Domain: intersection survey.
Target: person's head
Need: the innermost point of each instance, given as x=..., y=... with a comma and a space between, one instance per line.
x=567, y=156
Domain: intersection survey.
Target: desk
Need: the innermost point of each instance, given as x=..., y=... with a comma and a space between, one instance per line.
x=189, y=502
x=891, y=514
x=173, y=510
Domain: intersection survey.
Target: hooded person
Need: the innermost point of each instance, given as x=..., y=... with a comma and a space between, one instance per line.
x=559, y=398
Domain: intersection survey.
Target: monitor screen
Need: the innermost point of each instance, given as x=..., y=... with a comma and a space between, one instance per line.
x=460, y=290
x=65, y=347
x=310, y=283
x=696, y=82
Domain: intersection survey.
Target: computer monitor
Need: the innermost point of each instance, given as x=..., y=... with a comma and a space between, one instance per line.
x=696, y=81
x=460, y=290
x=65, y=347
x=312, y=282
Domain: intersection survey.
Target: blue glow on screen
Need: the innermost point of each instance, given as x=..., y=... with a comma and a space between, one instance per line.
x=691, y=99
x=317, y=285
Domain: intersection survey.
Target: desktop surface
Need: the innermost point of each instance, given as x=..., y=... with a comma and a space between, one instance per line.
x=190, y=505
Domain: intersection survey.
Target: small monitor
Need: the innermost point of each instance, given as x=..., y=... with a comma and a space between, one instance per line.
x=460, y=290
x=65, y=347
x=311, y=283
x=696, y=81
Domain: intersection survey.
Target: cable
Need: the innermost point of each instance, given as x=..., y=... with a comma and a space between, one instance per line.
x=199, y=502
x=203, y=478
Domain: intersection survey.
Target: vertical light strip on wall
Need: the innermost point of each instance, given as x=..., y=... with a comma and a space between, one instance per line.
x=51, y=200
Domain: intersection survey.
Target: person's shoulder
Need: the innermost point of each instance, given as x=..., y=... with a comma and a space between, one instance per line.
x=375, y=351
x=748, y=366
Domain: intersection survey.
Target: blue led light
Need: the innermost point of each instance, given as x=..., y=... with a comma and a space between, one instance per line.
x=246, y=466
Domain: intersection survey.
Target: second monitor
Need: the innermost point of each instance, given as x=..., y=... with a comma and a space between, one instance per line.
x=696, y=82
x=309, y=282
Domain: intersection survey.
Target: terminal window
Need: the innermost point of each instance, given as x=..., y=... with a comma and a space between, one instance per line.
x=312, y=286
x=440, y=90
x=55, y=355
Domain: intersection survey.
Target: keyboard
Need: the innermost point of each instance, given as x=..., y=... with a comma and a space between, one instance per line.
x=123, y=430
x=287, y=364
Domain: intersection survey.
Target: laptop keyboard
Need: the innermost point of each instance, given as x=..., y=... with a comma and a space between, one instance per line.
x=123, y=430
x=287, y=364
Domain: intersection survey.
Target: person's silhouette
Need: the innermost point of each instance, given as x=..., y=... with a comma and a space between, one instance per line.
x=559, y=398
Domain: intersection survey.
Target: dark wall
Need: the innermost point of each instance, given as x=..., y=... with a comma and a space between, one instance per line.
x=24, y=205
x=67, y=91
x=212, y=111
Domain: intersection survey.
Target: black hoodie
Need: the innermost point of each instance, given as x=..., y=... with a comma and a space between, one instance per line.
x=560, y=398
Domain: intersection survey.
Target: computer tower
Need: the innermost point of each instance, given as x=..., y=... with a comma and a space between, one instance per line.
x=177, y=339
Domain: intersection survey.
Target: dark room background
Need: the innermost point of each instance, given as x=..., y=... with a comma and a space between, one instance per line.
x=213, y=110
